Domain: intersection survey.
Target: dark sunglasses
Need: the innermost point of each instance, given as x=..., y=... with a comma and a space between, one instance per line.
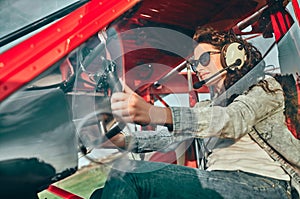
x=204, y=60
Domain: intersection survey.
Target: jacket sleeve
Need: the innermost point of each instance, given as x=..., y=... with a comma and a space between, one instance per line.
x=160, y=140
x=232, y=121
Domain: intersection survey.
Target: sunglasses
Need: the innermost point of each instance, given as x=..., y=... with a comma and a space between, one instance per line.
x=204, y=60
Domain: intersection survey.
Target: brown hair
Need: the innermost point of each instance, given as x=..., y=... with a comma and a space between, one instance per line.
x=288, y=84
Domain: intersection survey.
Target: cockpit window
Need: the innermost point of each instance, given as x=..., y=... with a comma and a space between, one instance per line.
x=21, y=17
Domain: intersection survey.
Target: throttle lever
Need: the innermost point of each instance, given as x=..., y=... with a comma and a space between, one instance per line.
x=112, y=78
x=115, y=85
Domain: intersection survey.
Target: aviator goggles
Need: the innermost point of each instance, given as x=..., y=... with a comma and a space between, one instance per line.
x=204, y=60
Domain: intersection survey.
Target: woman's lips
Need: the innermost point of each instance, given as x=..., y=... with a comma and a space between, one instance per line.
x=203, y=75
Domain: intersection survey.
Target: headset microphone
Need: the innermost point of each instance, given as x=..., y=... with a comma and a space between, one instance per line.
x=199, y=84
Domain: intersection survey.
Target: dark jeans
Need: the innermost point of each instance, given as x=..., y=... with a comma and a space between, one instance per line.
x=160, y=180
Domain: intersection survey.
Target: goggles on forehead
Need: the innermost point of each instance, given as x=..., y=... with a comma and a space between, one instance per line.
x=204, y=60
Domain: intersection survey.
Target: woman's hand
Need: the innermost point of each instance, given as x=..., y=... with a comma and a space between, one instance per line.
x=129, y=107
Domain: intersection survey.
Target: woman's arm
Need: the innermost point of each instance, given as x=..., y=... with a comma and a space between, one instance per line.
x=147, y=141
x=232, y=121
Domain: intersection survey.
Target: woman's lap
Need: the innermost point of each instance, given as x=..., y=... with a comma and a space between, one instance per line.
x=159, y=180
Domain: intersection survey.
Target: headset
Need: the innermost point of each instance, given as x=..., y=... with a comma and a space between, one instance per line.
x=233, y=56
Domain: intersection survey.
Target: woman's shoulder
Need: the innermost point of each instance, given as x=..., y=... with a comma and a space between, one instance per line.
x=265, y=89
x=270, y=82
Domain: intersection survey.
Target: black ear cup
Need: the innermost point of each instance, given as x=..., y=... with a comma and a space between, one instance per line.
x=233, y=55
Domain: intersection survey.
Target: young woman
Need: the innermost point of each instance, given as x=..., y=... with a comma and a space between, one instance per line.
x=251, y=118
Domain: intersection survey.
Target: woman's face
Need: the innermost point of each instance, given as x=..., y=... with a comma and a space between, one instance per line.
x=209, y=64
